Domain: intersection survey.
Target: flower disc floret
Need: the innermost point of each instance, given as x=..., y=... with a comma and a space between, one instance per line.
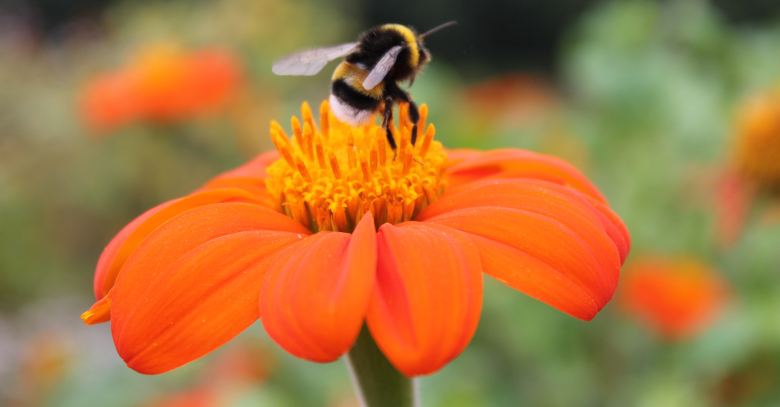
x=331, y=175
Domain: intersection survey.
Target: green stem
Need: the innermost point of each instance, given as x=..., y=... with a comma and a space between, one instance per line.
x=377, y=382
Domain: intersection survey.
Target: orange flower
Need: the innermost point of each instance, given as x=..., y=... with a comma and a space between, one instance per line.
x=162, y=85
x=332, y=232
x=42, y=367
x=227, y=378
x=511, y=100
x=678, y=298
x=243, y=364
x=198, y=397
x=757, y=152
x=755, y=164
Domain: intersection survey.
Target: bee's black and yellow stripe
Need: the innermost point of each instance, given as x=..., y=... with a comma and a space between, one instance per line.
x=349, y=95
x=347, y=86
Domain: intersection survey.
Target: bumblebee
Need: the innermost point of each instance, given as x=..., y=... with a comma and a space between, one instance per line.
x=366, y=82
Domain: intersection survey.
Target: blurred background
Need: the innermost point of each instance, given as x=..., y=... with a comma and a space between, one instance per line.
x=671, y=108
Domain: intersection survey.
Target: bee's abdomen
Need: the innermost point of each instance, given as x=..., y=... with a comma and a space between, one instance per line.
x=353, y=97
x=350, y=105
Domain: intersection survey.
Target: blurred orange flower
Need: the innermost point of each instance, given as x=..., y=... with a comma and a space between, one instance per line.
x=198, y=397
x=247, y=363
x=755, y=164
x=677, y=298
x=511, y=100
x=162, y=85
x=43, y=365
x=228, y=377
x=331, y=232
x=757, y=150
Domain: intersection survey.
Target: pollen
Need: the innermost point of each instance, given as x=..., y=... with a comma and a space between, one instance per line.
x=329, y=176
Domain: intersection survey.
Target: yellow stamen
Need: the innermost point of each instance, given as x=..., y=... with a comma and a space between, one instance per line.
x=298, y=133
x=364, y=167
x=307, y=116
x=351, y=149
x=430, y=194
x=373, y=156
x=276, y=126
x=397, y=211
x=296, y=208
x=302, y=169
x=320, y=152
x=334, y=165
x=323, y=218
x=381, y=147
x=402, y=142
x=352, y=209
x=339, y=220
x=403, y=117
x=408, y=209
x=407, y=157
x=423, y=118
x=307, y=139
x=324, y=110
x=282, y=145
x=426, y=144
x=313, y=185
x=401, y=155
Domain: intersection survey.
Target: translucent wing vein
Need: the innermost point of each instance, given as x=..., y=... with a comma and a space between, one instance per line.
x=310, y=62
x=382, y=68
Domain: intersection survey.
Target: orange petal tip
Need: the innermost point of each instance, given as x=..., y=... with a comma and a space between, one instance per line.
x=98, y=313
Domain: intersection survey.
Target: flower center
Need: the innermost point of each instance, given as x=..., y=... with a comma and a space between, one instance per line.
x=330, y=176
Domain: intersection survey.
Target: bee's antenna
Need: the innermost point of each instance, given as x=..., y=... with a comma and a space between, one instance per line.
x=433, y=30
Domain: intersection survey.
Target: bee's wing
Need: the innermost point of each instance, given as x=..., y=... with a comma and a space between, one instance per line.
x=382, y=68
x=310, y=62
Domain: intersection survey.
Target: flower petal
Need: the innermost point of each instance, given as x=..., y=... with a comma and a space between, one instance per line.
x=125, y=243
x=458, y=155
x=428, y=295
x=315, y=296
x=250, y=176
x=583, y=214
x=254, y=186
x=99, y=312
x=514, y=163
x=107, y=257
x=614, y=227
x=252, y=169
x=560, y=260
x=194, y=283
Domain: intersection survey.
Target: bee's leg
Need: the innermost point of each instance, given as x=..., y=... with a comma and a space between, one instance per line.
x=387, y=118
x=414, y=114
